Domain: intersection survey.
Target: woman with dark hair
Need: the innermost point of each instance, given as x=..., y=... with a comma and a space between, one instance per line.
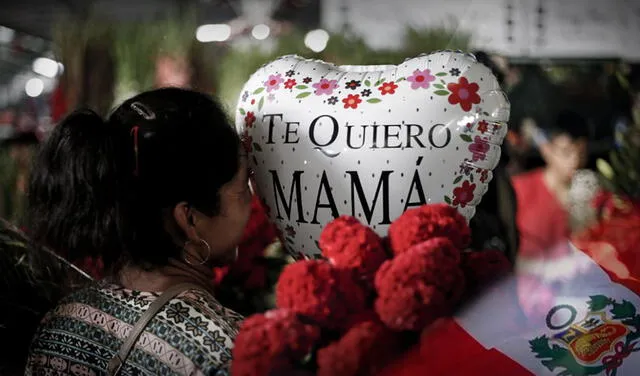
x=160, y=192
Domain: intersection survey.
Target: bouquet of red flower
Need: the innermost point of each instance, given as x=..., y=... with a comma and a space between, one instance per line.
x=247, y=284
x=368, y=299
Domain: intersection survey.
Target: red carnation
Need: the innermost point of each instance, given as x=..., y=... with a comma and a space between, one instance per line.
x=443, y=247
x=482, y=268
x=349, y=244
x=363, y=350
x=412, y=307
x=418, y=286
x=317, y=289
x=272, y=342
x=429, y=221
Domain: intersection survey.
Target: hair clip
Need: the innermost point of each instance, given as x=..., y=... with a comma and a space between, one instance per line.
x=143, y=111
x=134, y=134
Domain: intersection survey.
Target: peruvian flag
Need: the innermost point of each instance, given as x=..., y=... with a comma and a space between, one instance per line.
x=579, y=315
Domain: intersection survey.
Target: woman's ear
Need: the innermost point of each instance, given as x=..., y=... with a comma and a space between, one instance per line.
x=185, y=219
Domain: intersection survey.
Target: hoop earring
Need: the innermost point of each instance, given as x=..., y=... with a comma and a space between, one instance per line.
x=186, y=255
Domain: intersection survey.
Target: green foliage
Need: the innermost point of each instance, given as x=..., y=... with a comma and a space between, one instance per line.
x=621, y=175
x=558, y=357
x=598, y=302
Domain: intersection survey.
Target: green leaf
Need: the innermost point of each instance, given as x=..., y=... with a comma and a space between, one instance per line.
x=242, y=112
x=441, y=92
x=540, y=346
x=379, y=82
x=441, y=74
x=258, y=90
x=400, y=79
x=444, y=83
x=465, y=137
x=302, y=87
x=598, y=302
x=457, y=180
x=261, y=103
x=374, y=100
x=447, y=200
x=438, y=86
x=623, y=310
x=303, y=95
x=367, y=83
x=257, y=147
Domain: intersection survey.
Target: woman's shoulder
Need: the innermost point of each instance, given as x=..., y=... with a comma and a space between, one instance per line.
x=191, y=333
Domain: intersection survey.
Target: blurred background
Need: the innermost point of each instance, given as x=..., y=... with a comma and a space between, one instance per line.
x=56, y=55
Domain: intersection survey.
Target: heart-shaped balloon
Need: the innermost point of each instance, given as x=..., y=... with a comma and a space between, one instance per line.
x=369, y=141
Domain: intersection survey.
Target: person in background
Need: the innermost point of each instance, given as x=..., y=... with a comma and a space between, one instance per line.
x=33, y=281
x=16, y=154
x=543, y=194
x=160, y=192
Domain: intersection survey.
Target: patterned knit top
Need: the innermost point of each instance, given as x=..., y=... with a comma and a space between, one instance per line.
x=191, y=335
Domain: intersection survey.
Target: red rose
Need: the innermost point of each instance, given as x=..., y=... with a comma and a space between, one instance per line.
x=429, y=221
x=320, y=291
x=349, y=244
x=363, y=350
x=484, y=267
x=272, y=343
x=418, y=286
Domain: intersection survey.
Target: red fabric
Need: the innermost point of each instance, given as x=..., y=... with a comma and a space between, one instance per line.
x=447, y=349
x=58, y=105
x=542, y=221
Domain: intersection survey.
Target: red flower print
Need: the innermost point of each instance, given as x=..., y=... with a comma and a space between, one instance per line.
x=388, y=88
x=352, y=101
x=479, y=149
x=290, y=83
x=247, y=141
x=253, y=101
x=249, y=119
x=483, y=126
x=464, y=194
x=484, y=175
x=464, y=93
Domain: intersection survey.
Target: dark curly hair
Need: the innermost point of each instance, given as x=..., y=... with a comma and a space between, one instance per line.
x=107, y=188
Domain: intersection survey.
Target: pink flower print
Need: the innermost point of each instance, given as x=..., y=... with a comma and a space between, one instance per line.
x=273, y=83
x=421, y=79
x=325, y=86
x=479, y=149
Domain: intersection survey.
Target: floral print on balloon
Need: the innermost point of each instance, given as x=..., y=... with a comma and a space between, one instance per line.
x=325, y=86
x=464, y=93
x=421, y=79
x=273, y=83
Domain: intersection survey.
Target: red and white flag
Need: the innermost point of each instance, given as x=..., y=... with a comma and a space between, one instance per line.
x=575, y=316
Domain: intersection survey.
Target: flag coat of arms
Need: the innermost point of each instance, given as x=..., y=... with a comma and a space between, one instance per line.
x=583, y=319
